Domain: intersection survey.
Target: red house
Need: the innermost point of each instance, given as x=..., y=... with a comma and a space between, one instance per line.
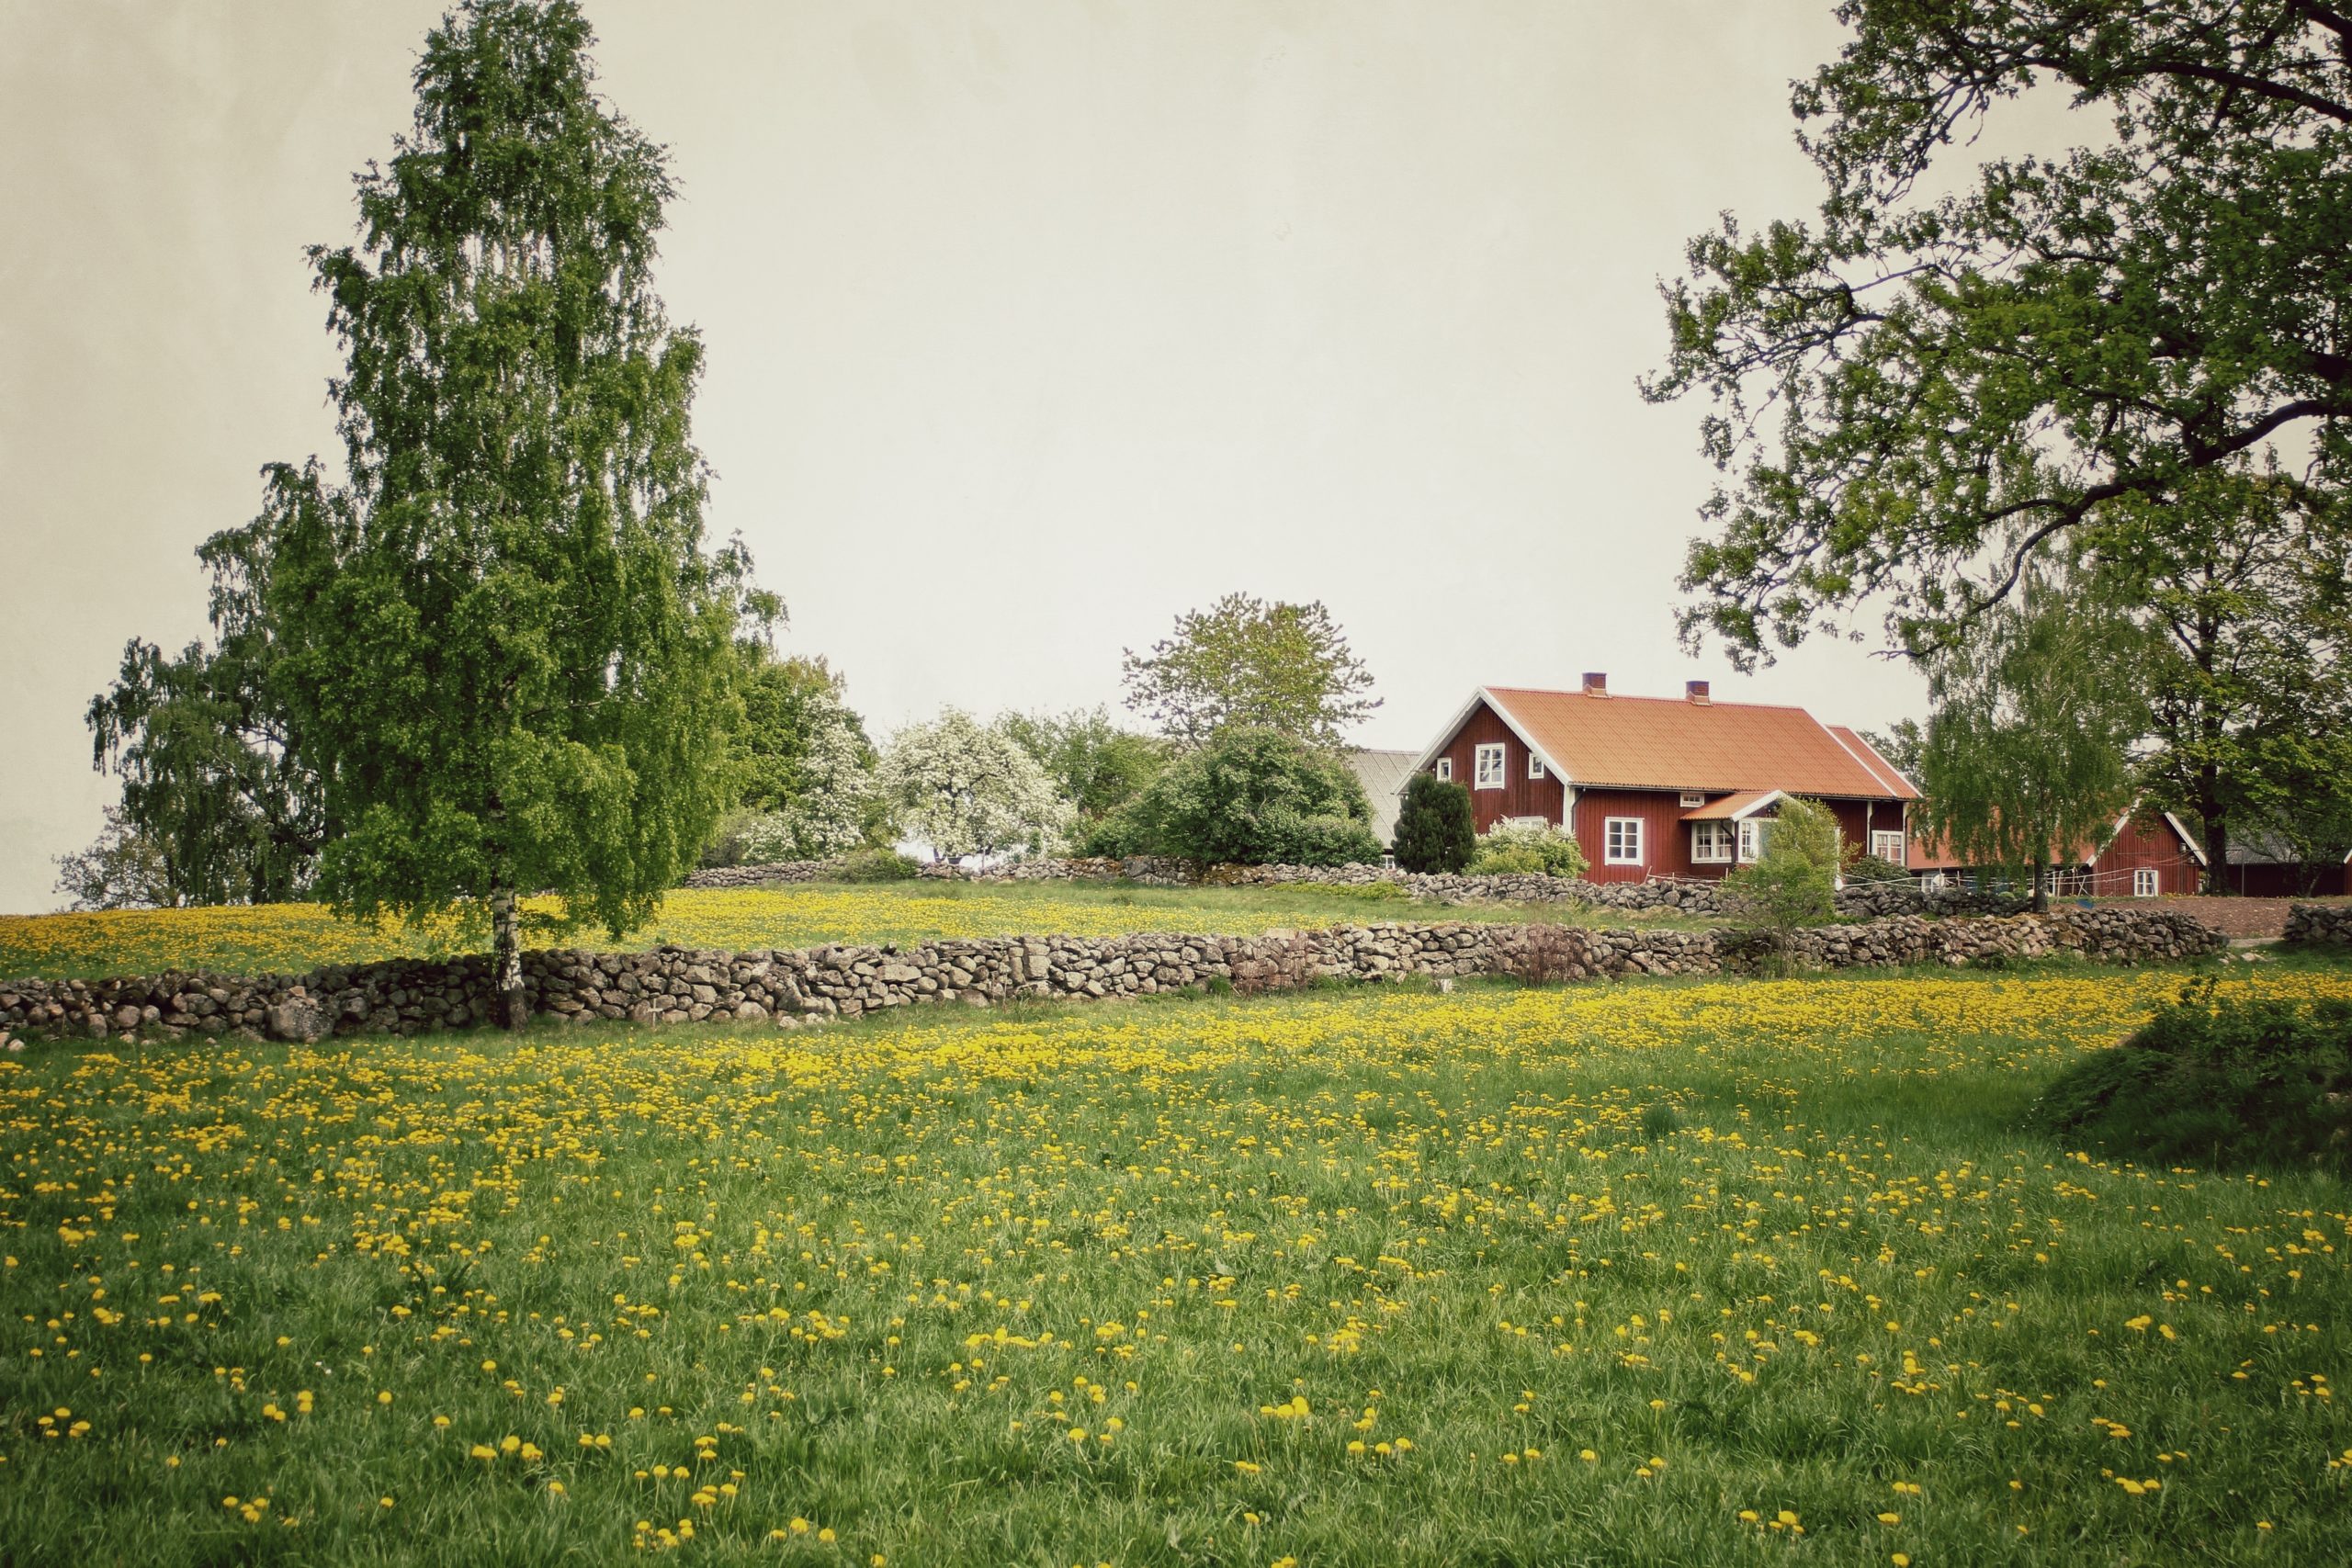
x=1657, y=786
x=2148, y=854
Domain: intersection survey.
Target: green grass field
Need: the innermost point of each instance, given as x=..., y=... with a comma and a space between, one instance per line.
x=289, y=937
x=1693, y=1273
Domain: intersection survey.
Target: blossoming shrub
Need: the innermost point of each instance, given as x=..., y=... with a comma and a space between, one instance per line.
x=1515, y=849
x=2219, y=1079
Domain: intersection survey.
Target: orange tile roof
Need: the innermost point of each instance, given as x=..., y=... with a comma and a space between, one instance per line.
x=1876, y=762
x=1669, y=744
x=1731, y=805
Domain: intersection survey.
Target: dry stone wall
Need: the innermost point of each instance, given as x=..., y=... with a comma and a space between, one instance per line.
x=2330, y=923
x=791, y=987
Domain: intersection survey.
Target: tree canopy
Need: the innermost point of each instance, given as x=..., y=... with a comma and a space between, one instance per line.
x=968, y=788
x=504, y=634
x=1911, y=393
x=221, y=803
x=2026, y=763
x=1097, y=766
x=1244, y=663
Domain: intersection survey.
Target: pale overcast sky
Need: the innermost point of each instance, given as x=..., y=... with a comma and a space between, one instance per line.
x=1030, y=325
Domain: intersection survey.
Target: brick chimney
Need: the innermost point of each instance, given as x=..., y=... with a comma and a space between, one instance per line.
x=1595, y=683
x=1696, y=691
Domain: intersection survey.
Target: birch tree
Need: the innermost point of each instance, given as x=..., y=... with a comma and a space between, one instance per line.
x=503, y=628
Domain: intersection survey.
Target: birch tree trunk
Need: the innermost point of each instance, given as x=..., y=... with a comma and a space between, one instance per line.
x=506, y=960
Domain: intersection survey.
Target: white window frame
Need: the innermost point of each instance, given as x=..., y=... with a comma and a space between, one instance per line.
x=1445, y=769
x=1711, y=843
x=1534, y=766
x=1692, y=798
x=1879, y=836
x=2146, y=882
x=1484, y=776
x=1753, y=832
x=1630, y=838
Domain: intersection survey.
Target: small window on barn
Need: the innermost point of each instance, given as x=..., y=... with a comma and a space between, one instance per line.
x=1753, y=831
x=1534, y=766
x=1887, y=846
x=1692, y=798
x=1711, y=843
x=1622, y=841
x=1489, y=764
x=2144, y=882
x=1445, y=768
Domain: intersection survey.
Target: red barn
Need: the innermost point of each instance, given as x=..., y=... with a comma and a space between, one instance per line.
x=1659, y=787
x=2147, y=854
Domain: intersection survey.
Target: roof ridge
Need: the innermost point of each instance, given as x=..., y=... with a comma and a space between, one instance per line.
x=1678, y=702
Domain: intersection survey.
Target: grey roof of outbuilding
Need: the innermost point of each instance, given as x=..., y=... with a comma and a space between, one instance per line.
x=1383, y=774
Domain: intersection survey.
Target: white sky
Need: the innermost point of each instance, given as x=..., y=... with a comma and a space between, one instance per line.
x=1029, y=326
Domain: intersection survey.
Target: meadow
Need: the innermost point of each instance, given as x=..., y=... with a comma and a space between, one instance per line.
x=293, y=938
x=1758, y=1272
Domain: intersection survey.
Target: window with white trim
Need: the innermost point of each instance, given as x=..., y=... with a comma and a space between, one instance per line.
x=1692, y=798
x=1445, y=769
x=1887, y=846
x=1753, y=830
x=2144, y=882
x=1534, y=766
x=1487, y=761
x=1711, y=843
x=1621, y=840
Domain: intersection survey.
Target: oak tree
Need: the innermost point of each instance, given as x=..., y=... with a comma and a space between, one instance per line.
x=1912, y=392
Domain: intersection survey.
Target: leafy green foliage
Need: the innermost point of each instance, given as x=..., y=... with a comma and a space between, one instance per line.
x=2251, y=619
x=1867, y=868
x=874, y=865
x=2138, y=310
x=122, y=869
x=2214, y=1081
x=1794, y=882
x=1434, y=831
x=1901, y=744
x=1507, y=849
x=221, y=803
x=1255, y=797
x=1096, y=766
x=512, y=654
x=1243, y=663
x=2025, y=763
x=792, y=708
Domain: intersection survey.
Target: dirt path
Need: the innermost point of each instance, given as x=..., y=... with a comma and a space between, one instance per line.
x=2235, y=917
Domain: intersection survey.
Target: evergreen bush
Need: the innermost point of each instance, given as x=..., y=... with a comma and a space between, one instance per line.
x=1433, y=830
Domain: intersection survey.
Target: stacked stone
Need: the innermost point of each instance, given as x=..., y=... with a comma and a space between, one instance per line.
x=765, y=874
x=2330, y=923
x=672, y=985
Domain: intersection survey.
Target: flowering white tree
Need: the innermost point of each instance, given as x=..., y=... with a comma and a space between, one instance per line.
x=966, y=788
x=826, y=816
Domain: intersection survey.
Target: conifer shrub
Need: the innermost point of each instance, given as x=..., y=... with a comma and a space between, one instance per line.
x=1433, y=829
x=2213, y=1082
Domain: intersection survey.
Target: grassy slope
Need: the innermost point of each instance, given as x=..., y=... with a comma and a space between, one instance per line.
x=288, y=937
x=1782, y=1237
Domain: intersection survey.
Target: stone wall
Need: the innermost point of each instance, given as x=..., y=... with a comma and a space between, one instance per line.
x=1680, y=895
x=677, y=986
x=2329, y=923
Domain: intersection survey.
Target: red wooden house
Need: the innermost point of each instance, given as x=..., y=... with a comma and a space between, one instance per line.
x=1657, y=786
x=2148, y=854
